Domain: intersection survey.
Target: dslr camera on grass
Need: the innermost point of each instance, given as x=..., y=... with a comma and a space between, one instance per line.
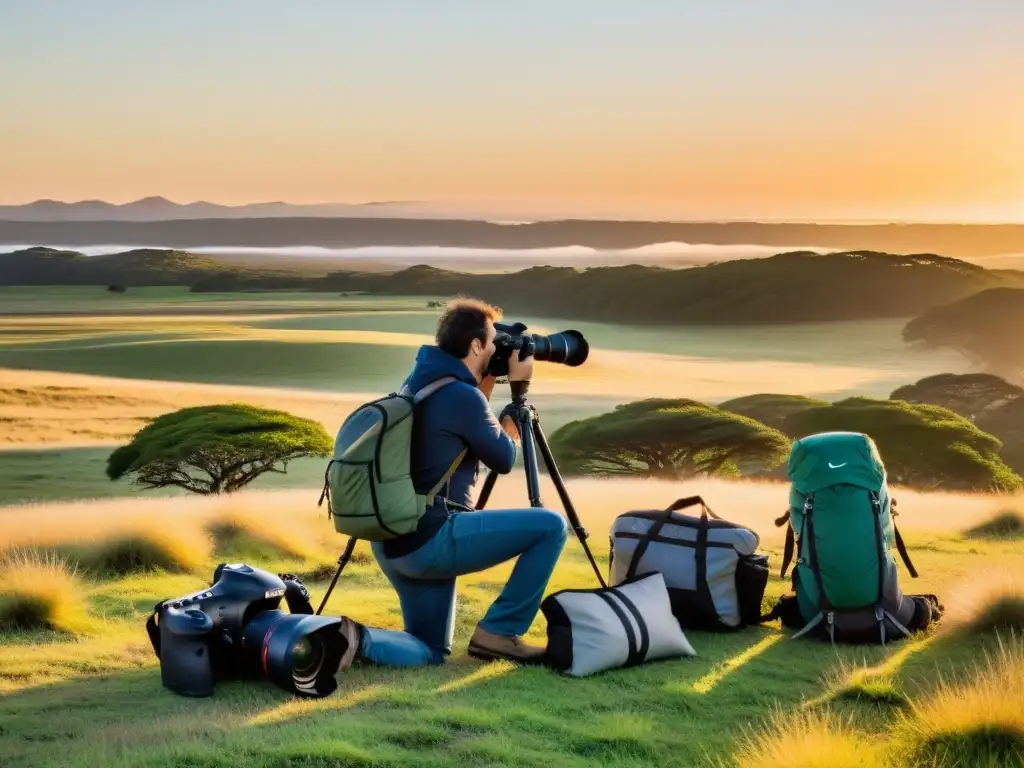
x=236, y=629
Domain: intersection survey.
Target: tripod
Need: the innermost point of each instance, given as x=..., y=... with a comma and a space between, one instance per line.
x=532, y=437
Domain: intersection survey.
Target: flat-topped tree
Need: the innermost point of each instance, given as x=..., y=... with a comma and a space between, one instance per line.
x=667, y=439
x=923, y=446
x=968, y=394
x=771, y=409
x=216, y=448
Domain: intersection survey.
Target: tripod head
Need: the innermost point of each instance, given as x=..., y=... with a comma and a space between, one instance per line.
x=519, y=390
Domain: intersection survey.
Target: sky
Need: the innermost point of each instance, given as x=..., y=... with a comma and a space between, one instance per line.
x=674, y=109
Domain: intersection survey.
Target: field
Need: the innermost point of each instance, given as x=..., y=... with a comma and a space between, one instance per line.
x=95, y=698
x=81, y=370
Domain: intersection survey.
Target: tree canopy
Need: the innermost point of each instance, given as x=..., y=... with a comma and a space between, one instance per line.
x=667, y=439
x=216, y=448
x=771, y=409
x=926, y=446
x=968, y=394
x=983, y=327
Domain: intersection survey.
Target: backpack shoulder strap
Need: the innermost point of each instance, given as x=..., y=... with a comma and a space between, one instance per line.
x=419, y=397
x=428, y=390
x=447, y=476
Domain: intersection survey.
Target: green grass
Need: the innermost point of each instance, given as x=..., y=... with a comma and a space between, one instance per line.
x=79, y=473
x=186, y=355
x=98, y=700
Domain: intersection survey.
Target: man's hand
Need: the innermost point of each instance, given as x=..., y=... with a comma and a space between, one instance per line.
x=510, y=428
x=487, y=386
x=520, y=370
x=508, y=423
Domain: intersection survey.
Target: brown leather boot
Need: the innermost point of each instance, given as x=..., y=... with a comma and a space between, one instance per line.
x=489, y=647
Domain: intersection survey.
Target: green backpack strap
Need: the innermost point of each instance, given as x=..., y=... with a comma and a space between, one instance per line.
x=900, y=546
x=787, y=554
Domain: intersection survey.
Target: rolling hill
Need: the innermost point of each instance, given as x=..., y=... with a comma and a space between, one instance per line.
x=790, y=287
x=48, y=266
x=786, y=288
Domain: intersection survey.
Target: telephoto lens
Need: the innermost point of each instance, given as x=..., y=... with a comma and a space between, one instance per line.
x=566, y=347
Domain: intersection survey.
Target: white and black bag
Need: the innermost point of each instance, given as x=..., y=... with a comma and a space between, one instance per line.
x=715, y=578
x=592, y=630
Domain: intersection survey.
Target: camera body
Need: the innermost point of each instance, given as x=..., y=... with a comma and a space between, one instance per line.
x=235, y=629
x=567, y=347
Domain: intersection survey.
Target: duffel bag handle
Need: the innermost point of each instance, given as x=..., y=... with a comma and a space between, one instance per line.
x=655, y=529
x=690, y=501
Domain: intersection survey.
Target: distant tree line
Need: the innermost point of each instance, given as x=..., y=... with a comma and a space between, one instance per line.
x=946, y=432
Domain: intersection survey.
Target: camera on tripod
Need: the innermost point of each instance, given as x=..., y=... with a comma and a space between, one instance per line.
x=235, y=629
x=567, y=347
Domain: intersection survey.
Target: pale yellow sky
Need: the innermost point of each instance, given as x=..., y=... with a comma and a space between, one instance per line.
x=673, y=110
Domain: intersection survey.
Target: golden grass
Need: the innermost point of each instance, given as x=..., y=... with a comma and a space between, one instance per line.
x=45, y=409
x=978, y=722
x=808, y=740
x=40, y=592
x=239, y=517
x=291, y=519
x=111, y=537
x=608, y=374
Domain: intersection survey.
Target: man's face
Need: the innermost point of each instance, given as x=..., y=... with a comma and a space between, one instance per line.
x=480, y=352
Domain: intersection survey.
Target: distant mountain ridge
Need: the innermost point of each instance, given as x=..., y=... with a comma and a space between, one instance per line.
x=390, y=226
x=161, y=209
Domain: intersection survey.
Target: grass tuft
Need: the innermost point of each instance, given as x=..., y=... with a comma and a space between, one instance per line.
x=40, y=591
x=233, y=542
x=978, y=722
x=261, y=532
x=877, y=691
x=811, y=739
x=991, y=601
x=145, y=550
x=1008, y=524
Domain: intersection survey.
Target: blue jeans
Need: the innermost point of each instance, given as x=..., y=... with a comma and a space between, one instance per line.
x=467, y=542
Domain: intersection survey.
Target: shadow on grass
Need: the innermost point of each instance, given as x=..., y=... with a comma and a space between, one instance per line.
x=464, y=712
x=676, y=711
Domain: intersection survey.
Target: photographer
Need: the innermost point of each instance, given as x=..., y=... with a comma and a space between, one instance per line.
x=452, y=539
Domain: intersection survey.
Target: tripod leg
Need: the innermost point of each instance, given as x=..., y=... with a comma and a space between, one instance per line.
x=563, y=494
x=485, y=491
x=526, y=436
x=342, y=562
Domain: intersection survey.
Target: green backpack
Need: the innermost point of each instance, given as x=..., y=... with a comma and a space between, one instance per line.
x=841, y=521
x=368, y=485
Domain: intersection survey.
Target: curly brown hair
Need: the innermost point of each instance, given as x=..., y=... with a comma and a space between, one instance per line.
x=464, y=319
